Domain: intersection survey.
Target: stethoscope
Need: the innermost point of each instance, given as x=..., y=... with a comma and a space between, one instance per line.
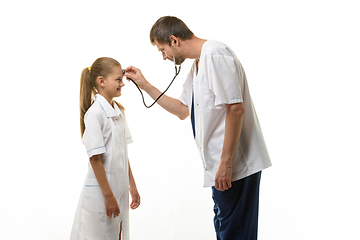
x=177, y=71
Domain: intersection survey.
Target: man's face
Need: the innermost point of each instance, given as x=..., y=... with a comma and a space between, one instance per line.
x=167, y=53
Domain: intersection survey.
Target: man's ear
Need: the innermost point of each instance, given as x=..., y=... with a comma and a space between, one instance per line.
x=174, y=41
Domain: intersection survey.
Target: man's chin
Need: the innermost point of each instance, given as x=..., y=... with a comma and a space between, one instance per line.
x=179, y=61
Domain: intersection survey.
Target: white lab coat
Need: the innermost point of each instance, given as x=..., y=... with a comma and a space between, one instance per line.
x=221, y=80
x=106, y=133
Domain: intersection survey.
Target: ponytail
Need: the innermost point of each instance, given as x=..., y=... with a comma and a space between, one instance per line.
x=87, y=93
x=101, y=67
x=119, y=105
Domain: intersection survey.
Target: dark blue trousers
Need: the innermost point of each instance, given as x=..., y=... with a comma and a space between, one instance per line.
x=236, y=209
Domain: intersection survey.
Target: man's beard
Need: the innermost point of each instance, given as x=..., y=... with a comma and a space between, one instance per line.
x=179, y=60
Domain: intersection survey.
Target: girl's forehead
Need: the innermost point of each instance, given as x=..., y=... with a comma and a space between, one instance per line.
x=117, y=70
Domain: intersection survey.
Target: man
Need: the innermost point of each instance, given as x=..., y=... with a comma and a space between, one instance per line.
x=225, y=125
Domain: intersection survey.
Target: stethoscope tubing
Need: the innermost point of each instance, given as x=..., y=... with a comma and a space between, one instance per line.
x=177, y=71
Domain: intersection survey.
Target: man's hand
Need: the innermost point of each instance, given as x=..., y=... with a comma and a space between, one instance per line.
x=136, y=75
x=223, y=176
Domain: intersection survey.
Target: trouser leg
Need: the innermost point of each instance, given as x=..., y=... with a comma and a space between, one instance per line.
x=236, y=209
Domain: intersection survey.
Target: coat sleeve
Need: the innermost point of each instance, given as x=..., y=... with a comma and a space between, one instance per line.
x=224, y=79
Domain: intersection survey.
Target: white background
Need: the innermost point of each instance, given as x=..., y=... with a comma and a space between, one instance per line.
x=302, y=63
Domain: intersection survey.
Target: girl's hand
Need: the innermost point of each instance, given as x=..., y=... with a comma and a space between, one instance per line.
x=112, y=207
x=135, y=197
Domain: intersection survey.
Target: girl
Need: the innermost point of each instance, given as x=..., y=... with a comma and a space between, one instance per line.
x=103, y=211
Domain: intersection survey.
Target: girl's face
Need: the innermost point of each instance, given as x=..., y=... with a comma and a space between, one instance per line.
x=113, y=83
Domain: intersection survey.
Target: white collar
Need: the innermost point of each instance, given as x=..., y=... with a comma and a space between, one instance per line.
x=108, y=109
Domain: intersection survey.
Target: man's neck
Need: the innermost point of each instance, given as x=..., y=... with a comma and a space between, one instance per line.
x=192, y=48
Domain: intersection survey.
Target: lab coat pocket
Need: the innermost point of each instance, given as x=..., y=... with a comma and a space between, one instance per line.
x=212, y=154
x=93, y=197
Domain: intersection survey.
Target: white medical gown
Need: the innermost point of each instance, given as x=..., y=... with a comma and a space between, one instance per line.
x=106, y=133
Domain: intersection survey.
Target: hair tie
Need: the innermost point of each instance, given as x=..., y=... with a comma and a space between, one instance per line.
x=89, y=69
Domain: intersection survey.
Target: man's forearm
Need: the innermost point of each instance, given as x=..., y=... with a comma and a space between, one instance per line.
x=171, y=105
x=233, y=126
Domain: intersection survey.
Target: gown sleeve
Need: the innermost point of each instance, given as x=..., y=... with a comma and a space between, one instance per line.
x=93, y=138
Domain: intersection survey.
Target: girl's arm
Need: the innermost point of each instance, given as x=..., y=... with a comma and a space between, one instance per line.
x=111, y=205
x=133, y=191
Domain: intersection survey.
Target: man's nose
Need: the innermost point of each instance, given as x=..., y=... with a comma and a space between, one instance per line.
x=164, y=56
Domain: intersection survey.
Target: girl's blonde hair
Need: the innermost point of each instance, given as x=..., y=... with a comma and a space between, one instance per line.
x=88, y=88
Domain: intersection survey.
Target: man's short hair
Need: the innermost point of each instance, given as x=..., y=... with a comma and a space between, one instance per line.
x=166, y=26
